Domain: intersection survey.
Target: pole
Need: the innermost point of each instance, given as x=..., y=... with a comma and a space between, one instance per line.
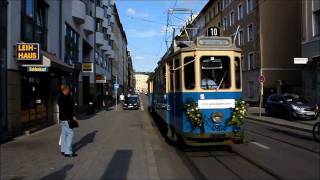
x=116, y=93
x=261, y=98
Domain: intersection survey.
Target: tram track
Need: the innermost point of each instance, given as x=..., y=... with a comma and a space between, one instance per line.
x=222, y=158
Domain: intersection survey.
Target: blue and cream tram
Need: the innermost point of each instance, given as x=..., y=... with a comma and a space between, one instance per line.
x=194, y=90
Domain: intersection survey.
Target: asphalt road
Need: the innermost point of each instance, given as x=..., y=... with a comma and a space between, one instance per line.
x=271, y=152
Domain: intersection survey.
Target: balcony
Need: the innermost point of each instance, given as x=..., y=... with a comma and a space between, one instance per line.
x=99, y=12
x=78, y=12
x=105, y=46
x=99, y=39
x=105, y=23
x=89, y=25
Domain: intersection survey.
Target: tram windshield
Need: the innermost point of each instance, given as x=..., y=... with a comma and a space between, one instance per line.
x=215, y=72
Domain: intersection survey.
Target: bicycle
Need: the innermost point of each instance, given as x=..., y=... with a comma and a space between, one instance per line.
x=316, y=131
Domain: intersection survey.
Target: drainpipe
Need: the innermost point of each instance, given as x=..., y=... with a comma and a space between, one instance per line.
x=60, y=29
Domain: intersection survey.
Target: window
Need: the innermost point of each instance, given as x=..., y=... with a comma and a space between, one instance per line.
x=250, y=89
x=240, y=12
x=215, y=72
x=105, y=10
x=163, y=82
x=225, y=23
x=189, y=74
x=249, y=6
x=177, y=75
x=34, y=22
x=250, y=61
x=237, y=68
x=316, y=24
x=98, y=3
x=71, y=39
x=29, y=7
x=231, y=18
x=240, y=38
x=171, y=76
x=99, y=25
x=250, y=32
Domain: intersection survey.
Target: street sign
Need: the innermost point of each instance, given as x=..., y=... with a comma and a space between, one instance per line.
x=37, y=69
x=87, y=67
x=116, y=86
x=27, y=51
x=213, y=31
x=300, y=60
x=262, y=79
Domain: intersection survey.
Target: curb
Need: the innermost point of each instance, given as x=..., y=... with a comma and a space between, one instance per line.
x=278, y=124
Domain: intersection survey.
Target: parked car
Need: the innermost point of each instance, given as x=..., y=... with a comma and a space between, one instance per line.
x=290, y=106
x=131, y=102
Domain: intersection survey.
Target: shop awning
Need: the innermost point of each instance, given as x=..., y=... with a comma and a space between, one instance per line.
x=57, y=63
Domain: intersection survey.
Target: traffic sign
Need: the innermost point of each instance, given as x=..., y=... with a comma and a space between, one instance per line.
x=116, y=86
x=213, y=31
x=262, y=79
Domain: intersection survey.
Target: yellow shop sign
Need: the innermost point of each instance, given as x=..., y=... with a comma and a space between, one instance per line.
x=87, y=67
x=28, y=51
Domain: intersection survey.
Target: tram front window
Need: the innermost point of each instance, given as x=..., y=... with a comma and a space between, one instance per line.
x=215, y=72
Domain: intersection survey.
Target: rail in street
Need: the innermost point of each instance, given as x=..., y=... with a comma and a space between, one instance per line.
x=127, y=144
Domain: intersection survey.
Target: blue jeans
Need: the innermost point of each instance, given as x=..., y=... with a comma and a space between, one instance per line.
x=66, y=138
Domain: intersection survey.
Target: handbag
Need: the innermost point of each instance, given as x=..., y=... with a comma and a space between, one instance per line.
x=73, y=124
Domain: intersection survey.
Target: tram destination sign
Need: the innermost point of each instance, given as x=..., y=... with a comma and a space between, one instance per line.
x=27, y=51
x=207, y=41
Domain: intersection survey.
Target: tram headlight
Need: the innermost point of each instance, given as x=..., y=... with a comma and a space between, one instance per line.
x=217, y=117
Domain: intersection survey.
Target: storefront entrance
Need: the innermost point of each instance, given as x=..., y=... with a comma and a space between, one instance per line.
x=34, y=99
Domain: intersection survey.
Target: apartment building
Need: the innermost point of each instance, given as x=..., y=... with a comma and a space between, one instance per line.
x=3, y=62
x=141, y=81
x=70, y=34
x=269, y=36
x=311, y=49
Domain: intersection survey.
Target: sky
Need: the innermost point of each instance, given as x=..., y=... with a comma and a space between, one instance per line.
x=145, y=21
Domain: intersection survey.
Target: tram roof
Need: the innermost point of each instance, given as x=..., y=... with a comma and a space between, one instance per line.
x=202, y=43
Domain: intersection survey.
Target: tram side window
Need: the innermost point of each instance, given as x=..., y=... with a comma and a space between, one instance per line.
x=215, y=72
x=237, y=72
x=164, y=78
x=177, y=74
x=171, y=76
x=189, y=75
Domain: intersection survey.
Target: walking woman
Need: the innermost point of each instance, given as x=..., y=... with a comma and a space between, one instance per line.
x=67, y=118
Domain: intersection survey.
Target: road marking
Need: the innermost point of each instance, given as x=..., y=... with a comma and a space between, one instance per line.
x=261, y=145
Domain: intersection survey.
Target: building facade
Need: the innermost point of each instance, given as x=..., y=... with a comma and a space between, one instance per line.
x=311, y=49
x=70, y=34
x=141, y=82
x=3, y=78
x=268, y=44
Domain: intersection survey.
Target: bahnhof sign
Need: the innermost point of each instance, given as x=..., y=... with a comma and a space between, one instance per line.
x=28, y=51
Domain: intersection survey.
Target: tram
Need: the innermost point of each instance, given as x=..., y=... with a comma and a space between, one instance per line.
x=195, y=91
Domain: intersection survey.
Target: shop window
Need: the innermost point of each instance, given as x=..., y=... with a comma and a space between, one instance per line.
x=189, y=73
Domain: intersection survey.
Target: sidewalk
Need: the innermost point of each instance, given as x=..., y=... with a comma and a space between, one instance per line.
x=110, y=145
x=302, y=125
